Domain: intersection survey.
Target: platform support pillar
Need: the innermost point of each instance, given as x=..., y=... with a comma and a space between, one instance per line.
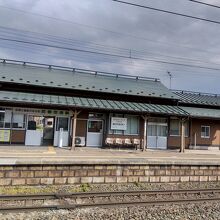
x=75, y=114
x=182, y=146
x=145, y=133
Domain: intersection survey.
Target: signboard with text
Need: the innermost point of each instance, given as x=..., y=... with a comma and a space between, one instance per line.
x=4, y=135
x=118, y=123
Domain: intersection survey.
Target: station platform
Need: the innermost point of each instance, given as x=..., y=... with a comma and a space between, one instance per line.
x=23, y=155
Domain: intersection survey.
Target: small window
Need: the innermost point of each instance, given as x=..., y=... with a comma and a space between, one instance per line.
x=5, y=119
x=205, y=131
x=62, y=122
x=35, y=123
x=175, y=127
x=95, y=126
x=2, y=119
x=18, y=120
x=111, y=131
x=132, y=125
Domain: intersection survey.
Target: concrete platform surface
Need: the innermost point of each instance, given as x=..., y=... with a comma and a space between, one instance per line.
x=11, y=155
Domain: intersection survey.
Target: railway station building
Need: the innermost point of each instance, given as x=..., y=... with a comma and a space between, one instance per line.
x=43, y=105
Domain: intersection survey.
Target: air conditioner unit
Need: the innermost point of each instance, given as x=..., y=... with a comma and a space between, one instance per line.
x=80, y=141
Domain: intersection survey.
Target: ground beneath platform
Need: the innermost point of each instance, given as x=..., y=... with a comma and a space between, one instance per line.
x=205, y=210
x=86, y=155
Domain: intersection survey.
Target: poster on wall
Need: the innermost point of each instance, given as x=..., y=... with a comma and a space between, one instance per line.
x=4, y=135
x=118, y=123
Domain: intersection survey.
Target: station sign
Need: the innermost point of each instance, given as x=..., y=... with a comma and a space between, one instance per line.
x=118, y=123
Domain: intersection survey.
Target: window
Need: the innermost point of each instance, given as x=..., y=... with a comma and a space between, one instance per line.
x=152, y=130
x=62, y=122
x=18, y=120
x=5, y=118
x=95, y=126
x=132, y=124
x=205, y=131
x=175, y=127
x=2, y=119
x=115, y=131
x=162, y=131
x=35, y=123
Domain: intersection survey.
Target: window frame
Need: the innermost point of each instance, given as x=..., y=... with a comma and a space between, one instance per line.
x=24, y=121
x=138, y=125
x=57, y=123
x=174, y=135
x=209, y=131
x=178, y=135
x=122, y=132
x=4, y=111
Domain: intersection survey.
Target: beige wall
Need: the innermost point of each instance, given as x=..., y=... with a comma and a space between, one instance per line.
x=195, y=128
x=214, y=132
x=175, y=141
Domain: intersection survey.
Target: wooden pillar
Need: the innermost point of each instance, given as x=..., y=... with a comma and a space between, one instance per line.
x=182, y=147
x=75, y=114
x=195, y=140
x=145, y=133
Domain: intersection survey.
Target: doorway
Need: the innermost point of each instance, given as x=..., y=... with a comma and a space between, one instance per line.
x=157, y=135
x=94, y=133
x=48, y=131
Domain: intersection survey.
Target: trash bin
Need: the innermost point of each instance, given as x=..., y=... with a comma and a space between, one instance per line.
x=60, y=139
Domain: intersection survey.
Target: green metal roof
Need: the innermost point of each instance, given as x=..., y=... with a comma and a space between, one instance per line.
x=202, y=112
x=79, y=79
x=87, y=103
x=198, y=98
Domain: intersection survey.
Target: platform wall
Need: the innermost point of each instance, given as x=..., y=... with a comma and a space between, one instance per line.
x=78, y=174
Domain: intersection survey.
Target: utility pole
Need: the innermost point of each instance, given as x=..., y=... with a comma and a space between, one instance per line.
x=171, y=76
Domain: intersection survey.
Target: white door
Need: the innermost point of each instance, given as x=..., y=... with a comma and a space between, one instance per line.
x=61, y=122
x=152, y=136
x=162, y=136
x=94, y=133
x=157, y=135
x=34, y=133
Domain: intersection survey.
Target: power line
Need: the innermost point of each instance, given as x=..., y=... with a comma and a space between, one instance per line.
x=106, y=54
x=204, y=3
x=136, y=67
x=168, y=12
x=20, y=35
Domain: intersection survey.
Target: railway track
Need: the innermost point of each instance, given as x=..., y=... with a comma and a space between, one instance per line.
x=40, y=202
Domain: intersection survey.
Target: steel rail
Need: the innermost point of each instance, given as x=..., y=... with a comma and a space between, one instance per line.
x=142, y=202
x=107, y=204
x=96, y=194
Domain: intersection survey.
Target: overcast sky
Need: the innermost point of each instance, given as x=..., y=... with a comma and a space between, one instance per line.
x=109, y=27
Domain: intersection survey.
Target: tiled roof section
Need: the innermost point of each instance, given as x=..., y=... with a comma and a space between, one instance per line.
x=84, y=80
x=88, y=103
x=198, y=98
x=202, y=112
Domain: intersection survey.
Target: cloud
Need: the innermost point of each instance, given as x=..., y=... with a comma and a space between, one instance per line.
x=158, y=36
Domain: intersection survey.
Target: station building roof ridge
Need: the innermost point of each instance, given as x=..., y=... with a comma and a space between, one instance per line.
x=68, y=102
x=202, y=112
x=197, y=98
x=43, y=75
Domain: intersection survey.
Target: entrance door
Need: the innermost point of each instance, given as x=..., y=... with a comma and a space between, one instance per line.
x=48, y=130
x=157, y=135
x=94, y=133
x=34, y=133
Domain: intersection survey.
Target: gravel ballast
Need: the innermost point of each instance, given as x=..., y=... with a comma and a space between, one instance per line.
x=205, y=210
